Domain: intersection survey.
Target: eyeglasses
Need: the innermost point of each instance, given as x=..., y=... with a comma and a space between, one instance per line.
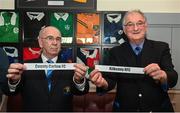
x=51, y=38
x=138, y=24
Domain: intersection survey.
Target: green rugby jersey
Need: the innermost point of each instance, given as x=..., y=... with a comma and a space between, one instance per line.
x=64, y=22
x=9, y=27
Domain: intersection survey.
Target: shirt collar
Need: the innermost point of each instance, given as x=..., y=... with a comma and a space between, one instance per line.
x=110, y=17
x=35, y=15
x=45, y=59
x=64, y=17
x=11, y=51
x=135, y=45
x=13, y=18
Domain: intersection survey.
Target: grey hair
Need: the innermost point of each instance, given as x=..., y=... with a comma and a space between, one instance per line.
x=41, y=31
x=133, y=11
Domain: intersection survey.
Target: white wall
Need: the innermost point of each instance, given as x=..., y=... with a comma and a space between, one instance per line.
x=161, y=6
x=7, y=4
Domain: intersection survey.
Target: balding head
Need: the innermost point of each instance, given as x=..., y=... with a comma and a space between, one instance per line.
x=50, y=41
x=46, y=30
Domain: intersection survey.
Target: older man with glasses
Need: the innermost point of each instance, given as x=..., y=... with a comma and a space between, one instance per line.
x=46, y=90
x=136, y=91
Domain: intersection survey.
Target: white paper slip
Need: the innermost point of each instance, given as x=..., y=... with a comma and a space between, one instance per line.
x=59, y=3
x=119, y=69
x=52, y=66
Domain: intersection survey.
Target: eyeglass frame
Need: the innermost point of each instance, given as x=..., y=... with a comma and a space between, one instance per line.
x=138, y=24
x=52, y=38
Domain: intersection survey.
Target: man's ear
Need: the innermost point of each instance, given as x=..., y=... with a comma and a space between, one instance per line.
x=146, y=25
x=40, y=42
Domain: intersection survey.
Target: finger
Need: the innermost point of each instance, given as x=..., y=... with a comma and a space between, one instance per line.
x=151, y=65
x=154, y=73
x=78, y=76
x=17, y=66
x=13, y=71
x=99, y=80
x=95, y=77
x=80, y=71
x=95, y=71
x=151, y=68
x=10, y=76
x=81, y=67
x=157, y=77
x=13, y=76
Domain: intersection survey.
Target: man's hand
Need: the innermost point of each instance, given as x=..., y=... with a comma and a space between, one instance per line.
x=155, y=72
x=14, y=72
x=97, y=79
x=79, y=72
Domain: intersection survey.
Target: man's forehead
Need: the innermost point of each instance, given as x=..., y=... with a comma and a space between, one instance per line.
x=134, y=20
x=51, y=32
x=135, y=14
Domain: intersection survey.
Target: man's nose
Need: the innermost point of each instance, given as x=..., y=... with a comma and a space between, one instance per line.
x=136, y=27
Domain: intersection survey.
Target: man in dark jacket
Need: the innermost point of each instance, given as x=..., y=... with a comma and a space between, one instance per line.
x=4, y=63
x=139, y=92
x=46, y=90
